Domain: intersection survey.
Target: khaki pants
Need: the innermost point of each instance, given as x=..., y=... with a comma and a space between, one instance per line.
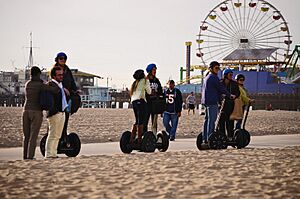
x=32, y=121
x=154, y=123
x=56, y=125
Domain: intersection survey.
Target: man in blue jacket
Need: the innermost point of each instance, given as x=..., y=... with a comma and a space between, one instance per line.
x=174, y=108
x=212, y=91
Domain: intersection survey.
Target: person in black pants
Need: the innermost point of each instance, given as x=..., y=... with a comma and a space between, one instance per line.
x=68, y=84
x=156, y=90
x=233, y=89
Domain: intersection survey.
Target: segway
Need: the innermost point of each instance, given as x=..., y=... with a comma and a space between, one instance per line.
x=148, y=143
x=241, y=136
x=69, y=144
x=217, y=140
x=162, y=141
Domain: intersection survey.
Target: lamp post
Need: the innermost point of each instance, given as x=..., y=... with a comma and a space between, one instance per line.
x=107, y=103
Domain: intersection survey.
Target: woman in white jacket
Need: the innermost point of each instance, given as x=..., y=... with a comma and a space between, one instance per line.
x=139, y=87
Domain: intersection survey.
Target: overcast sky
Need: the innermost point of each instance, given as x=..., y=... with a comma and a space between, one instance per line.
x=111, y=38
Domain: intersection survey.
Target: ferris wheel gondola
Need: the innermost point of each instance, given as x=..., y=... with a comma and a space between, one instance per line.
x=243, y=24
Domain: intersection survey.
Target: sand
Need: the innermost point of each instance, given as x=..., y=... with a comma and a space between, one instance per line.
x=231, y=173
x=105, y=125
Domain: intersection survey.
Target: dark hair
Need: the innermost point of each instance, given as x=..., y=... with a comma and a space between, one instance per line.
x=213, y=64
x=35, y=71
x=239, y=76
x=53, y=71
x=171, y=81
x=139, y=74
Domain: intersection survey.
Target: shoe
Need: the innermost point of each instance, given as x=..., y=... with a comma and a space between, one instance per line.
x=204, y=145
x=172, y=139
x=51, y=157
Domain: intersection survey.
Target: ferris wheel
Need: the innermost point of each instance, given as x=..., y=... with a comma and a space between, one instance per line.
x=243, y=24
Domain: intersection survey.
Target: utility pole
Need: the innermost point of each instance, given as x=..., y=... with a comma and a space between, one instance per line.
x=107, y=101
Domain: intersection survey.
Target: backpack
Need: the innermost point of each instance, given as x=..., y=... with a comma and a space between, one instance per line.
x=46, y=100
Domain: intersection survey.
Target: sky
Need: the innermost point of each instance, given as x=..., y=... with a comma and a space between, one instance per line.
x=111, y=38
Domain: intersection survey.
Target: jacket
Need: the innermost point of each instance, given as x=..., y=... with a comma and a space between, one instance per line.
x=33, y=88
x=142, y=88
x=68, y=81
x=156, y=90
x=57, y=98
x=212, y=90
x=243, y=96
x=174, y=100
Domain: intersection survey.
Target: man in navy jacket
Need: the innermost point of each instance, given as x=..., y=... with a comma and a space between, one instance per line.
x=212, y=91
x=173, y=111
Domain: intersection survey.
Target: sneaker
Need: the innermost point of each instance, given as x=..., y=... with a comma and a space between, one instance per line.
x=204, y=146
x=51, y=157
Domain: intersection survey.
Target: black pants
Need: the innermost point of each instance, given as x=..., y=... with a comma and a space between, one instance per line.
x=139, y=108
x=227, y=125
x=147, y=117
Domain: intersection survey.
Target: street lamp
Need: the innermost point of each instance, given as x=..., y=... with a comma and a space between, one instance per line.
x=107, y=103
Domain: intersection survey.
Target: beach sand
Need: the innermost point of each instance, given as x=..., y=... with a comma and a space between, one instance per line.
x=104, y=125
x=231, y=173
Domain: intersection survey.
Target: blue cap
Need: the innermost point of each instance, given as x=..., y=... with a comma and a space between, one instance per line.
x=61, y=54
x=226, y=71
x=150, y=67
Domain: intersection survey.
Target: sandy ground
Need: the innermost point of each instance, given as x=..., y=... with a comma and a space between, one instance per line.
x=104, y=125
x=231, y=173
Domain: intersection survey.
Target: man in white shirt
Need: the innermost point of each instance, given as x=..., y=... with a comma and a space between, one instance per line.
x=56, y=116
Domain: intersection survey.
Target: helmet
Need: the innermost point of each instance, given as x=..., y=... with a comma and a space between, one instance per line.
x=138, y=74
x=61, y=54
x=150, y=67
x=213, y=64
x=226, y=71
x=239, y=76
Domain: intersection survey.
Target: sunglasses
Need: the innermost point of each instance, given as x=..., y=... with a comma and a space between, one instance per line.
x=241, y=80
x=62, y=58
x=217, y=68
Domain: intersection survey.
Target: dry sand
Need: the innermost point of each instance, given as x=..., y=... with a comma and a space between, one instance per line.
x=231, y=173
x=104, y=125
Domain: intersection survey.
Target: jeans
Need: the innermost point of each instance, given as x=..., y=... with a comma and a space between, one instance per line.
x=173, y=118
x=238, y=124
x=211, y=113
x=139, y=108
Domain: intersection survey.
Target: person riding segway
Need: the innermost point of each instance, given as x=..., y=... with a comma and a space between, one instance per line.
x=145, y=141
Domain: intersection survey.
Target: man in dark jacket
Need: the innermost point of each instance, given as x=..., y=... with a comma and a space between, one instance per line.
x=212, y=91
x=174, y=108
x=233, y=88
x=69, y=85
x=32, y=116
x=56, y=116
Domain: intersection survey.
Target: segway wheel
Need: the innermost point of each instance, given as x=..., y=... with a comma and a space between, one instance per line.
x=148, y=142
x=162, y=141
x=199, y=141
x=125, y=145
x=241, y=138
x=75, y=145
x=217, y=140
x=43, y=144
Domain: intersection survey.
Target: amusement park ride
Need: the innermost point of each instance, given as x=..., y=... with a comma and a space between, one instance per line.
x=245, y=34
